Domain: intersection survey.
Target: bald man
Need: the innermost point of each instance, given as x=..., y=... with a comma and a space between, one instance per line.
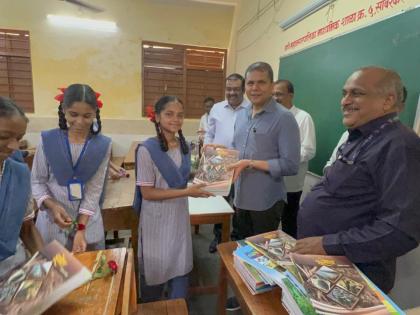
x=366, y=206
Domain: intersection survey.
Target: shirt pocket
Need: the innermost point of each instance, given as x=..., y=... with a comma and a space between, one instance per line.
x=265, y=140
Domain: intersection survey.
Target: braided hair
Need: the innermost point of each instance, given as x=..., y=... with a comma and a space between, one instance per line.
x=159, y=107
x=79, y=93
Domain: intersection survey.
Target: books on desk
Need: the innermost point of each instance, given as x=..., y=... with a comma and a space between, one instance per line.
x=311, y=284
x=212, y=170
x=48, y=276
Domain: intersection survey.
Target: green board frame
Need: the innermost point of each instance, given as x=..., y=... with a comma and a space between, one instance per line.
x=319, y=72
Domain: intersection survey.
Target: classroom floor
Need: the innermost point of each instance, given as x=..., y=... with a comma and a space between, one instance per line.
x=206, y=269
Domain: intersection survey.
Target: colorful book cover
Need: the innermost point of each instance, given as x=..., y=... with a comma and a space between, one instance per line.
x=276, y=246
x=294, y=300
x=213, y=170
x=47, y=277
x=251, y=277
x=336, y=286
x=261, y=263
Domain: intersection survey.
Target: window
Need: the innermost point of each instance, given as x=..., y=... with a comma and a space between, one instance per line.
x=188, y=72
x=15, y=68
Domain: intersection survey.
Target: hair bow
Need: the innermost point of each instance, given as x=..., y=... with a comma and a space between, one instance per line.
x=150, y=113
x=60, y=97
x=98, y=101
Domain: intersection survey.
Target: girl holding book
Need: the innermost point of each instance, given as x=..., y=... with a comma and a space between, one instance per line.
x=163, y=167
x=16, y=207
x=69, y=172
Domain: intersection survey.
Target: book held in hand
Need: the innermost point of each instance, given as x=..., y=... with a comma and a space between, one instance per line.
x=48, y=276
x=213, y=170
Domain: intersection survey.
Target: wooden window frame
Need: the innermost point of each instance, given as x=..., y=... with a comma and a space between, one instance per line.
x=16, y=68
x=185, y=63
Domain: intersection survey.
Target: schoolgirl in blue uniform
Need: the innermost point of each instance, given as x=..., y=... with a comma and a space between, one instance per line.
x=16, y=207
x=69, y=172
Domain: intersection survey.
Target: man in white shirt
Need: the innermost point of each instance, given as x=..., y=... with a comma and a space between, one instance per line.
x=283, y=92
x=220, y=129
x=208, y=104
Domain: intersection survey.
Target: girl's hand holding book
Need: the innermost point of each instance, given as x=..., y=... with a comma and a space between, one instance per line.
x=196, y=191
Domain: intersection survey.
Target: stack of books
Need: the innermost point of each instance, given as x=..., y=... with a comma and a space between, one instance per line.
x=256, y=280
x=311, y=284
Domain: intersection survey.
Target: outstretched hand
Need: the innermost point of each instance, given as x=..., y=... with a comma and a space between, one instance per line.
x=196, y=191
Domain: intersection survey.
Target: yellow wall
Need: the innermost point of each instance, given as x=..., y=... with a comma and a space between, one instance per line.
x=109, y=62
x=263, y=40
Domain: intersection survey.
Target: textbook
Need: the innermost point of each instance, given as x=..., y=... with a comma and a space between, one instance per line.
x=212, y=170
x=294, y=300
x=334, y=285
x=48, y=276
x=269, y=271
x=253, y=279
x=276, y=246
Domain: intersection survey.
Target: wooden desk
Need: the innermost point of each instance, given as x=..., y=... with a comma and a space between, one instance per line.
x=268, y=303
x=117, y=210
x=210, y=211
x=129, y=159
x=101, y=296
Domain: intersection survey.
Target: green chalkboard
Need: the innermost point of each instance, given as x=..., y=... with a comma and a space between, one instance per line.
x=318, y=73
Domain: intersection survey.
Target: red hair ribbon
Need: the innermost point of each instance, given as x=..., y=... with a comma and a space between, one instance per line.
x=150, y=113
x=60, y=97
x=98, y=101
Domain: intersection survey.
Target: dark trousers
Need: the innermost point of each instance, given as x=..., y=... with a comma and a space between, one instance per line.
x=217, y=229
x=252, y=222
x=290, y=213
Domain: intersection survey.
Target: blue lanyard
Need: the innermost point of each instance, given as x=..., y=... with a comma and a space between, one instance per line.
x=75, y=166
x=375, y=133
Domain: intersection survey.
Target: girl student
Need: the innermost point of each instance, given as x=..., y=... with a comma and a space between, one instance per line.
x=69, y=172
x=163, y=167
x=16, y=207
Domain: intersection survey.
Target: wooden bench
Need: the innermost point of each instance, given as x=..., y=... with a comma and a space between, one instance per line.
x=129, y=300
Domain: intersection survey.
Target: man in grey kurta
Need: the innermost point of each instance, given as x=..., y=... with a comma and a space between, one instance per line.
x=267, y=137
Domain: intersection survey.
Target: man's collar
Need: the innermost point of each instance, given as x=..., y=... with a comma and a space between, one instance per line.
x=374, y=124
x=270, y=106
x=244, y=104
x=293, y=109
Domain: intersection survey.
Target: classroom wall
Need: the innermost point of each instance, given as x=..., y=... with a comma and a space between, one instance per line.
x=109, y=62
x=259, y=38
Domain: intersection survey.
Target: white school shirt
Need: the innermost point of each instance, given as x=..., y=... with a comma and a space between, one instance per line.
x=221, y=123
x=333, y=156
x=204, y=122
x=307, y=148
